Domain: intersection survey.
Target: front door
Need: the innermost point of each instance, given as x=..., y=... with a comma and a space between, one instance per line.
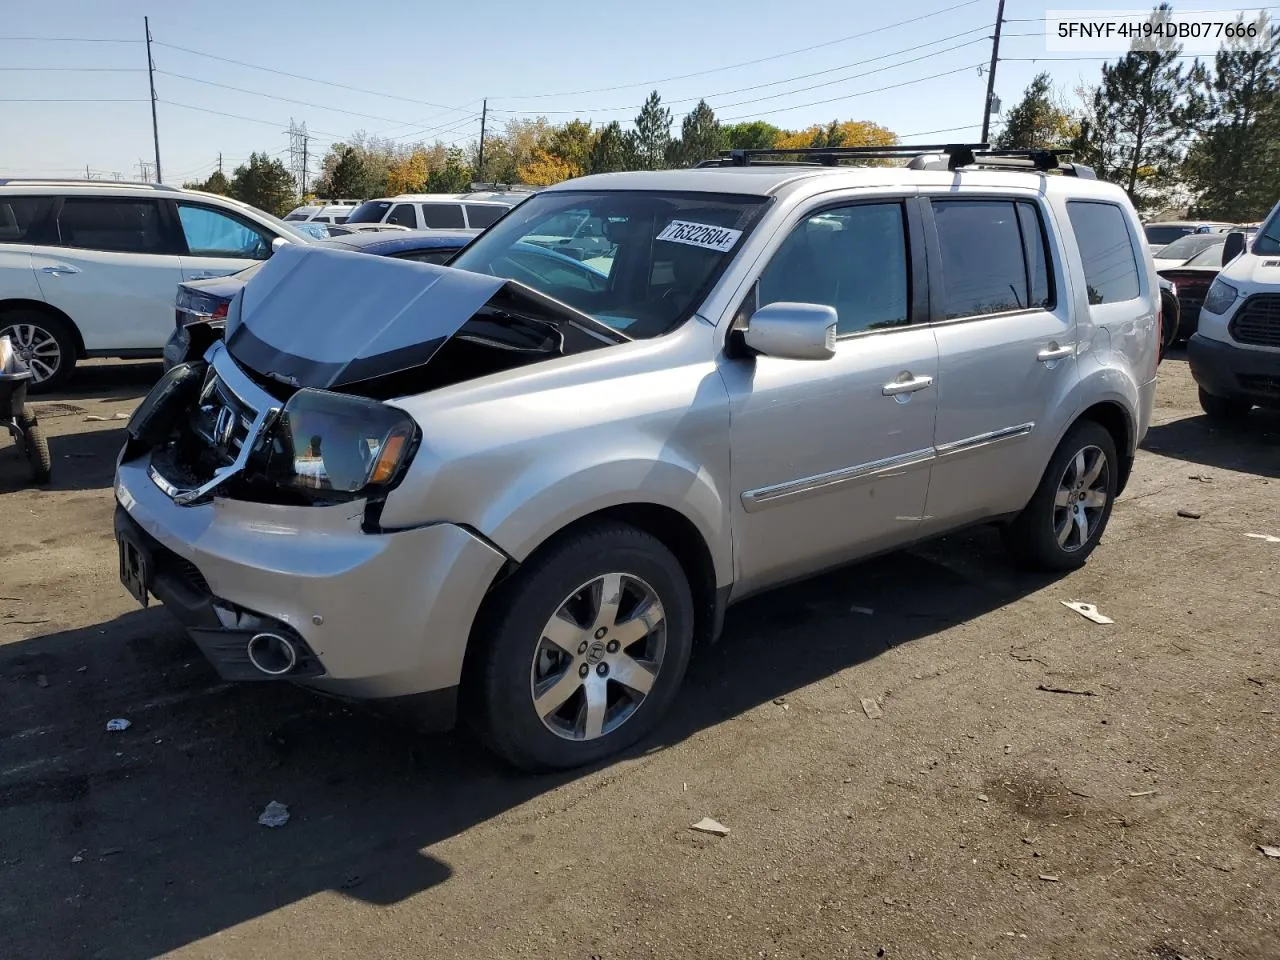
x=1006, y=355
x=219, y=243
x=830, y=459
x=115, y=273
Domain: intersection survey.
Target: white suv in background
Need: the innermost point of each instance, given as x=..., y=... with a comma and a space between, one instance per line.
x=90, y=269
x=325, y=211
x=438, y=211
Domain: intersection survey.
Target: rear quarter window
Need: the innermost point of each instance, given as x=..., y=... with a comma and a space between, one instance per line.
x=24, y=219
x=443, y=216
x=1106, y=248
x=484, y=214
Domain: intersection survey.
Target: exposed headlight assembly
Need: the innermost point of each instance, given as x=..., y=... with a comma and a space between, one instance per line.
x=339, y=447
x=1220, y=297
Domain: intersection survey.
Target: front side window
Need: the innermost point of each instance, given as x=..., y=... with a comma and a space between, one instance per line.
x=851, y=258
x=993, y=257
x=443, y=216
x=212, y=233
x=122, y=225
x=402, y=214
x=1106, y=247
x=663, y=252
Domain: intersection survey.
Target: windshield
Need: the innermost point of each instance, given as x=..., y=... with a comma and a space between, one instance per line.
x=1267, y=240
x=639, y=261
x=371, y=211
x=1187, y=247
x=1158, y=236
x=1208, y=257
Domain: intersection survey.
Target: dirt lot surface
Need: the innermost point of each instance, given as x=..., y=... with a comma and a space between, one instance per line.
x=981, y=815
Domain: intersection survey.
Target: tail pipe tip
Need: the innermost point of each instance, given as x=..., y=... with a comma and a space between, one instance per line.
x=272, y=654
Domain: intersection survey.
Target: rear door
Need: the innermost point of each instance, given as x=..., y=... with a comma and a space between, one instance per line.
x=115, y=271
x=217, y=242
x=443, y=216
x=1006, y=352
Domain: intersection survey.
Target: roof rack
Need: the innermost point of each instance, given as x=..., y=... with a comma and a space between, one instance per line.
x=945, y=156
x=81, y=181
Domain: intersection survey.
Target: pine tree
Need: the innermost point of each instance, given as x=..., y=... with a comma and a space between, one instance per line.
x=611, y=150
x=1037, y=121
x=265, y=183
x=701, y=137
x=653, y=134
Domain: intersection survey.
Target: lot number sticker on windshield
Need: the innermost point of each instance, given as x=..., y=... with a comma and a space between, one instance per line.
x=700, y=235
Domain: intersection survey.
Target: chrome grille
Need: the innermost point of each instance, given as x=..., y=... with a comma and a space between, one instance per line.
x=1257, y=322
x=222, y=419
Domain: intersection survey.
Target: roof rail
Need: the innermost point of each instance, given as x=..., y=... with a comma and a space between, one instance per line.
x=946, y=156
x=81, y=181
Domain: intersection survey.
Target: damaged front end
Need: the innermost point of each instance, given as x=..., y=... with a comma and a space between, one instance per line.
x=291, y=408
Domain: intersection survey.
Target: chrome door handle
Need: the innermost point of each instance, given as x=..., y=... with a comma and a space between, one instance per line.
x=897, y=387
x=202, y=276
x=1056, y=353
x=58, y=268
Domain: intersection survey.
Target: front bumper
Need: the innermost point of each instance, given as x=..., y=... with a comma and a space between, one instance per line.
x=1232, y=372
x=384, y=615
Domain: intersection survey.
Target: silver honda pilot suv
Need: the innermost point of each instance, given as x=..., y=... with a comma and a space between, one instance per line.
x=522, y=488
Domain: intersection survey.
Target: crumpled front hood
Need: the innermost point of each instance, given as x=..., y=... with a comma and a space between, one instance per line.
x=316, y=317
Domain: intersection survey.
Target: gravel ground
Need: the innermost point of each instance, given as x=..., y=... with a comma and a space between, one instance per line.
x=980, y=815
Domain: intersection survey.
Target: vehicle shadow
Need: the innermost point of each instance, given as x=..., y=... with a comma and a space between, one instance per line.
x=105, y=380
x=1253, y=446
x=81, y=461
x=131, y=844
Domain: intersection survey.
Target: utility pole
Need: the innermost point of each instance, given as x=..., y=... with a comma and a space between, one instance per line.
x=484, y=113
x=151, y=75
x=305, y=138
x=991, y=73
x=219, y=163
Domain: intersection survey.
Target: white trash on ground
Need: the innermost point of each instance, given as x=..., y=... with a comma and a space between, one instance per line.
x=115, y=726
x=713, y=827
x=1086, y=610
x=276, y=814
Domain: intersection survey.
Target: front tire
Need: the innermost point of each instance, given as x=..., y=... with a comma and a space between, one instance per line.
x=1224, y=409
x=586, y=647
x=1063, y=522
x=45, y=344
x=36, y=449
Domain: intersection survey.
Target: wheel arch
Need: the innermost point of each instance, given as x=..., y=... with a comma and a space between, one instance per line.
x=1113, y=417
x=39, y=306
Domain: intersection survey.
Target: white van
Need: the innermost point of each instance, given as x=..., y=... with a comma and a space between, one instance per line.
x=324, y=211
x=1235, y=351
x=438, y=211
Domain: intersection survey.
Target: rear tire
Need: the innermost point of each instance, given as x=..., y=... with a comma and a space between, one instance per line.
x=36, y=449
x=552, y=685
x=51, y=342
x=1224, y=409
x=1063, y=522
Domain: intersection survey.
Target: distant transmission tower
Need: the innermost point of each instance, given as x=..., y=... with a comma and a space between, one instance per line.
x=298, y=154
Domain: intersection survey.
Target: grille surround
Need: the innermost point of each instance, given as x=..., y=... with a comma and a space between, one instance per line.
x=1257, y=321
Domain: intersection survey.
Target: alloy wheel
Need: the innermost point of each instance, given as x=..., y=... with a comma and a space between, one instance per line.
x=1081, y=498
x=37, y=347
x=598, y=657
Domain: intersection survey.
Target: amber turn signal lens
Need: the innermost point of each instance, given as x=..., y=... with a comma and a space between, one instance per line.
x=388, y=458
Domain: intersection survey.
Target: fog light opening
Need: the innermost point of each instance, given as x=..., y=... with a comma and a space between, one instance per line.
x=272, y=654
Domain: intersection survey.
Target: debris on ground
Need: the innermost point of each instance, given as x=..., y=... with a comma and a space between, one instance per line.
x=713, y=827
x=1190, y=514
x=276, y=814
x=1273, y=852
x=1051, y=878
x=982, y=797
x=1202, y=477
x=1078, y=693
x=871, y=709
x=115, y=726
x=1086, y=610
x=1264, y=536
x=1141, y=793
x=79, y=857
x=865, y=611
x=110, y=852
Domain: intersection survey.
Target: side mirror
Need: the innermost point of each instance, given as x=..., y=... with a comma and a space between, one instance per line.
x=793, y=331
x=1233, y=247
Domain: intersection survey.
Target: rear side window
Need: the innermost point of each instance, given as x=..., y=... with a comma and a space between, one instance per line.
x=22, y=219
x=993, y=257
x=293, y=217
x=403, y=215
x=113, y=224
x=482, y=215
x=1106, y=247
x=443, y=216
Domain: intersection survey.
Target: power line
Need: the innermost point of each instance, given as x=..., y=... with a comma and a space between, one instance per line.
x=237, y=116
x=298, y=76
x=847, y=96
x=826, y=83
x=76, y=70
x=73, y=100
x=67, y=40
x=747, y=63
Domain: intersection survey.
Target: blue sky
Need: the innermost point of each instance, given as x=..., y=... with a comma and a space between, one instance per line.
x=428, y=65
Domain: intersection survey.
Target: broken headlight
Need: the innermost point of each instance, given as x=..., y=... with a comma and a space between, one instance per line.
x=339, y=446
